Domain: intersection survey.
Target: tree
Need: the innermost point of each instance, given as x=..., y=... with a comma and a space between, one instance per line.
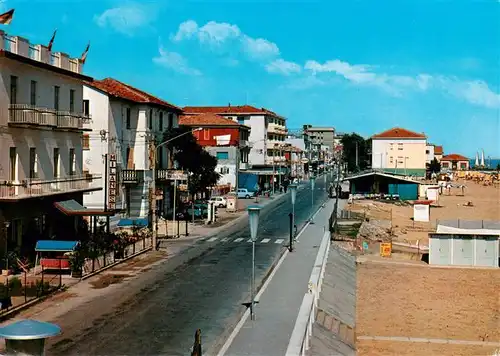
x=434, y=166
x=349, y=143
x=192, y=158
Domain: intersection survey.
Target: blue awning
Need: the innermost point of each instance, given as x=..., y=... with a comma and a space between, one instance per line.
x=55, y=245
x=139, y=222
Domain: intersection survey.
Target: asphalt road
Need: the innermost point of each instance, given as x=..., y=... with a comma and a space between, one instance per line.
x=205, y=293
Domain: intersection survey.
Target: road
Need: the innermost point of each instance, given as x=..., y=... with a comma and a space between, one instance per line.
x=205, y=293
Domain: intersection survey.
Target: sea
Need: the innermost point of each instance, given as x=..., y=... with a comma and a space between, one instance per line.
x=491, y=163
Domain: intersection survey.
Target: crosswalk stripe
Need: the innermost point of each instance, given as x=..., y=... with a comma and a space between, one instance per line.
x=265, y=241
x=225, y=239
x=279, y=241
x=249, y=240
x=239, y=239
x=212, y=239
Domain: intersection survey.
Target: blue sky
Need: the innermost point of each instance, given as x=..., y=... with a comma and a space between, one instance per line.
x=363, y=66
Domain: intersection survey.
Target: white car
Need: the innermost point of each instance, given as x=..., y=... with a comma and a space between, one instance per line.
x=219, y=202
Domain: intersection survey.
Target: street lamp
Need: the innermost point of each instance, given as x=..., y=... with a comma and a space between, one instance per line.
x=253, y=219
x=313, y=183
x=293, y=193
x=153, y=184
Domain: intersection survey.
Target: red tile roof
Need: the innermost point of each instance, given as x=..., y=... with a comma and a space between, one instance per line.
x=243, y=109
x=207, y=119
x=438, y=150
x=454, y=157
x=124, y=91
x=398, y=132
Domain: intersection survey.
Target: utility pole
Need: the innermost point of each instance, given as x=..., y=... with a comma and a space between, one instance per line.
x=152, y=162
x=338, y=190
x=357, y=156
x=237, y=171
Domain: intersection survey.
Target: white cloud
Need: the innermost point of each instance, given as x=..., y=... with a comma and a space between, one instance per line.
x=174, y=61
x=280, y=66
x=220, y=33
x=476, y=92
x=126, y=19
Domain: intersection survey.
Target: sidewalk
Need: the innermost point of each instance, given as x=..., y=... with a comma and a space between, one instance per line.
x=280, y=302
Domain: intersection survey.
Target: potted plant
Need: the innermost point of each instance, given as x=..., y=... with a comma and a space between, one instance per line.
x=76, y=262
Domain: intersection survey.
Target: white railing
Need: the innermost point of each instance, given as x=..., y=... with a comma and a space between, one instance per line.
x=302, y=332
x=34, y=52
x=35, y=187
x=10, y=43
x=24, y=114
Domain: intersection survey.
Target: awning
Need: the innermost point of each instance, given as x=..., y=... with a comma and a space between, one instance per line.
x=74, y=208
x=55, y=245
x=139, y=222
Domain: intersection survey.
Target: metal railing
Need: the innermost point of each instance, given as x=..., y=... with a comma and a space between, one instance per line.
x=24, y=114
x=131, y=176
x=41, y=187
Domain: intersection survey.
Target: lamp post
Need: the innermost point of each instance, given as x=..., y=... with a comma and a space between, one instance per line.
x=293, y=194
x=153, y=184
x=313, y=183
x=253, y=219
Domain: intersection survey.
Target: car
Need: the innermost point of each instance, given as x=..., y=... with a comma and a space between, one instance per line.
x=219, y=202
x=245, y=193
x=200, y=211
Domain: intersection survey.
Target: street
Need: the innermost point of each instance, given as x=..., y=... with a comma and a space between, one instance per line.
x=206, y=293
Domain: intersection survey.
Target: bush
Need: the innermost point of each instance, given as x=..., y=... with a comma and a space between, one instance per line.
x=15, y=284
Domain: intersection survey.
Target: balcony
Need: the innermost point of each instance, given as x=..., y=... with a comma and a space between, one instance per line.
x=28, y=116
x=37, y=188
x=277, y=129
x=276, y=161
x=244, y=165
x=132, y=176
x=170, y=174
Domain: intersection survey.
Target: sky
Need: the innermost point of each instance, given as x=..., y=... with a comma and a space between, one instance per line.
x=359, y=66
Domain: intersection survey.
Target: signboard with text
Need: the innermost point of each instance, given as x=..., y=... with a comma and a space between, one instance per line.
x=112, y=182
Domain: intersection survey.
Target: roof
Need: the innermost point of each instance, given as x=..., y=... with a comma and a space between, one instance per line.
x=124, y=91
x=29, y=330
x=74, y=208
x=387, y=175
x=320, y=129
x=243, y=109
x=207, y=119
x=454, y=157
x=43, y=65
x=398, y=132
x=438, y=150
x=55, y=245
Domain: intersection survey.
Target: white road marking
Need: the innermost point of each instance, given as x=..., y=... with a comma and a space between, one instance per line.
x=225, y=239
x=212, y=239
x=279, y=241
x=265, y=241
x=249, y=240
x=239, y=239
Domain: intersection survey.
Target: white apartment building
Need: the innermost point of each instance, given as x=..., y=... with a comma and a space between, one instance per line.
x=267, y=134
x=400, y=151
x=42, y=120
x=125, y=120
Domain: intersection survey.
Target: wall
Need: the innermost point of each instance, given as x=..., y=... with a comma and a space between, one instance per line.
x=468, y=251
x=207, y=136
x=414, y=150
x=225, y=167
x=429, y=153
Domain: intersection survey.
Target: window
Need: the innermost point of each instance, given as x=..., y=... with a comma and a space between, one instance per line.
x=56, y=97
x=206, y=134
x=72, y=100
x=130, y=158
x=222, y=155
x=391, y=159
x=170, y=122
x=56, y=162
x=270, y=153
x=33, y=163
x=86, y=142
x=445, y=164
x=400, y=146
x=241, y=120
x=150, y=123
x=128, y=119
x=224, y=170
x=86, y=107
x=160, y=123
x=159, y=159
x=13, y=164
x=33, y=93
x=427, y=152
x=13, y=89
x=72, y=161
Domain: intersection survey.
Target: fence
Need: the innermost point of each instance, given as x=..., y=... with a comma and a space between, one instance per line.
x=93, y=265
x=16, y=291
x=302, y=332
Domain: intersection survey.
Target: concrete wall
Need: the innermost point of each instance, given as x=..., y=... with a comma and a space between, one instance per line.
x=400, y=155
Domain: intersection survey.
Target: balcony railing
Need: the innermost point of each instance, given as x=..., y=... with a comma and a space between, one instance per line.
x=28, y=115
x=170, y=174
x=244, y=165
x=132, y=176
x=32, y=188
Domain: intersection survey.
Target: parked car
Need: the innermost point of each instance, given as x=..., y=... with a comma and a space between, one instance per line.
x=199, y=211
x=245, y=193
x=219, y=202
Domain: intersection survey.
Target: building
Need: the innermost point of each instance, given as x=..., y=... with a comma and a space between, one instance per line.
x=125, y=121
x=438, y=152
x=455, y=162
x=321, y=136
x=400, y=151
x=267, y=135
x=225, y=139
x=383, y=184
x=429, y=153
x=476, y=245
x=41, y=164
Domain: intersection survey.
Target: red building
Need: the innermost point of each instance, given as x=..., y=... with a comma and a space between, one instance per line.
x=226, y=140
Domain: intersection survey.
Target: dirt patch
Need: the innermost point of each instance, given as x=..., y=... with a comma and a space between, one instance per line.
x=144, y=261
x=426, y=302
x=106, y=280
x=384, y=348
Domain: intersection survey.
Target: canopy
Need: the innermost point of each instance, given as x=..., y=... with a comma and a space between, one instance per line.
x=139, y=222
x=74, y=208
x=55, y=246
